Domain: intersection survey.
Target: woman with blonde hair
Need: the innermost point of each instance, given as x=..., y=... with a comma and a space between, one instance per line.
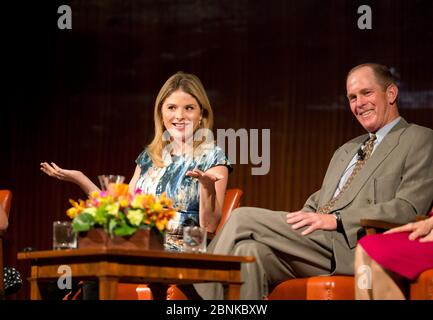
x=182, y=160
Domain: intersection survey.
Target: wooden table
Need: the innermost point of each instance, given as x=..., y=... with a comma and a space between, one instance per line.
x=111, y=266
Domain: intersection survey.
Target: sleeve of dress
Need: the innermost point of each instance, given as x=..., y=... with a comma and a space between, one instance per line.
x=214, y=157
x=142, y=159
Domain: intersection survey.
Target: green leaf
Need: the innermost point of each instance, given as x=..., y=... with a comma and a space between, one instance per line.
x=101, y=216
x=112, y=225
x=83, y=222
x=121, y=216
x=124, y=230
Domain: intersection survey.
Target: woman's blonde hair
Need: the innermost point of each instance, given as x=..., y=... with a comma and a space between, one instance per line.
x=192, y=85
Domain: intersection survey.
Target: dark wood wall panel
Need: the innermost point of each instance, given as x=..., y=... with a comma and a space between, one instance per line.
x=84, y=97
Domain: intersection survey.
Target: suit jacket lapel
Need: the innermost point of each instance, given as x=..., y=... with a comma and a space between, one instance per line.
x=390, y=141
x=347, y=153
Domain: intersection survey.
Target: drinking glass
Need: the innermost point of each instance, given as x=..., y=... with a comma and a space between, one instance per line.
x=194, y=239
x=106, y=179
x=63, y=235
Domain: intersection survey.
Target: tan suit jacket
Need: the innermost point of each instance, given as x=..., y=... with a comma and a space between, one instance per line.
x=394, y=185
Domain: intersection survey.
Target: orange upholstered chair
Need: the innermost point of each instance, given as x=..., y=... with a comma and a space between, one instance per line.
x=341, y=287
x=315, y=288
x=422, y=287
x=5, y=202
x=125, y=291
x=232, y=200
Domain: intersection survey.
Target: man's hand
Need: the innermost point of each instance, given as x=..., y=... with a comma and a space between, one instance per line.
x=313, y=220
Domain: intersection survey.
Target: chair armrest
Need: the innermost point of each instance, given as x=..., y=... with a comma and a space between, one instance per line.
x=419, y=217
x=378, y=224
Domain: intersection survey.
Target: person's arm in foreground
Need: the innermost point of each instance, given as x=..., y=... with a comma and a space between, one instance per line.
x=213, y=185
x=421, y=229
x=74, y=176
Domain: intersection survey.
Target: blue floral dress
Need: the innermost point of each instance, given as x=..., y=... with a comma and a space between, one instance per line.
x=183, y=190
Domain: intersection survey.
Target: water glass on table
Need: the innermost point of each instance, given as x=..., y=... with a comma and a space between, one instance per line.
x=63, y=235
x=194, y=239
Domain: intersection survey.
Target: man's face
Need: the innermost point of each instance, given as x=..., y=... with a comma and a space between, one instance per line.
x=370, y=104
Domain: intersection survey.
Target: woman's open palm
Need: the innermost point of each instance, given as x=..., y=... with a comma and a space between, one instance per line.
x=206, y=179
x=55, y=171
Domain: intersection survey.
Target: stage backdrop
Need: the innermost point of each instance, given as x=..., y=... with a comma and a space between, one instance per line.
x=83, y=97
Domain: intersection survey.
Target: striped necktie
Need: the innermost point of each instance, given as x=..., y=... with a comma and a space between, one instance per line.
x=367, y=151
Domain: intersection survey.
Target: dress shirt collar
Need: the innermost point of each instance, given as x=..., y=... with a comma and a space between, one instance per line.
x=382, y=132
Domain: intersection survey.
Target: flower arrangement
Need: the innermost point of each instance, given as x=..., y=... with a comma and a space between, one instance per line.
x=120, y=213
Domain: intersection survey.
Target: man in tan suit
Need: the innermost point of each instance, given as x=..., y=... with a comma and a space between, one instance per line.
x=388, y=177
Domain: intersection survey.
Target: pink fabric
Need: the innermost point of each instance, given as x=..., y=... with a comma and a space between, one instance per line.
x=397, y=253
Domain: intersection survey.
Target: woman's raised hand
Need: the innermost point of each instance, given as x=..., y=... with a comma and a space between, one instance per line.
x=55, y=171
x=206, y=179
x=74, y=176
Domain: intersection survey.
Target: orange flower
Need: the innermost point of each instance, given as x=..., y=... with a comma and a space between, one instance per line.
x=164, y=200
x=76, y=209
x=157, y=207
x=117, y=190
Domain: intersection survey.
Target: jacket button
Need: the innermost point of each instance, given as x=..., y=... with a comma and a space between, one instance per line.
x=369, y=201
